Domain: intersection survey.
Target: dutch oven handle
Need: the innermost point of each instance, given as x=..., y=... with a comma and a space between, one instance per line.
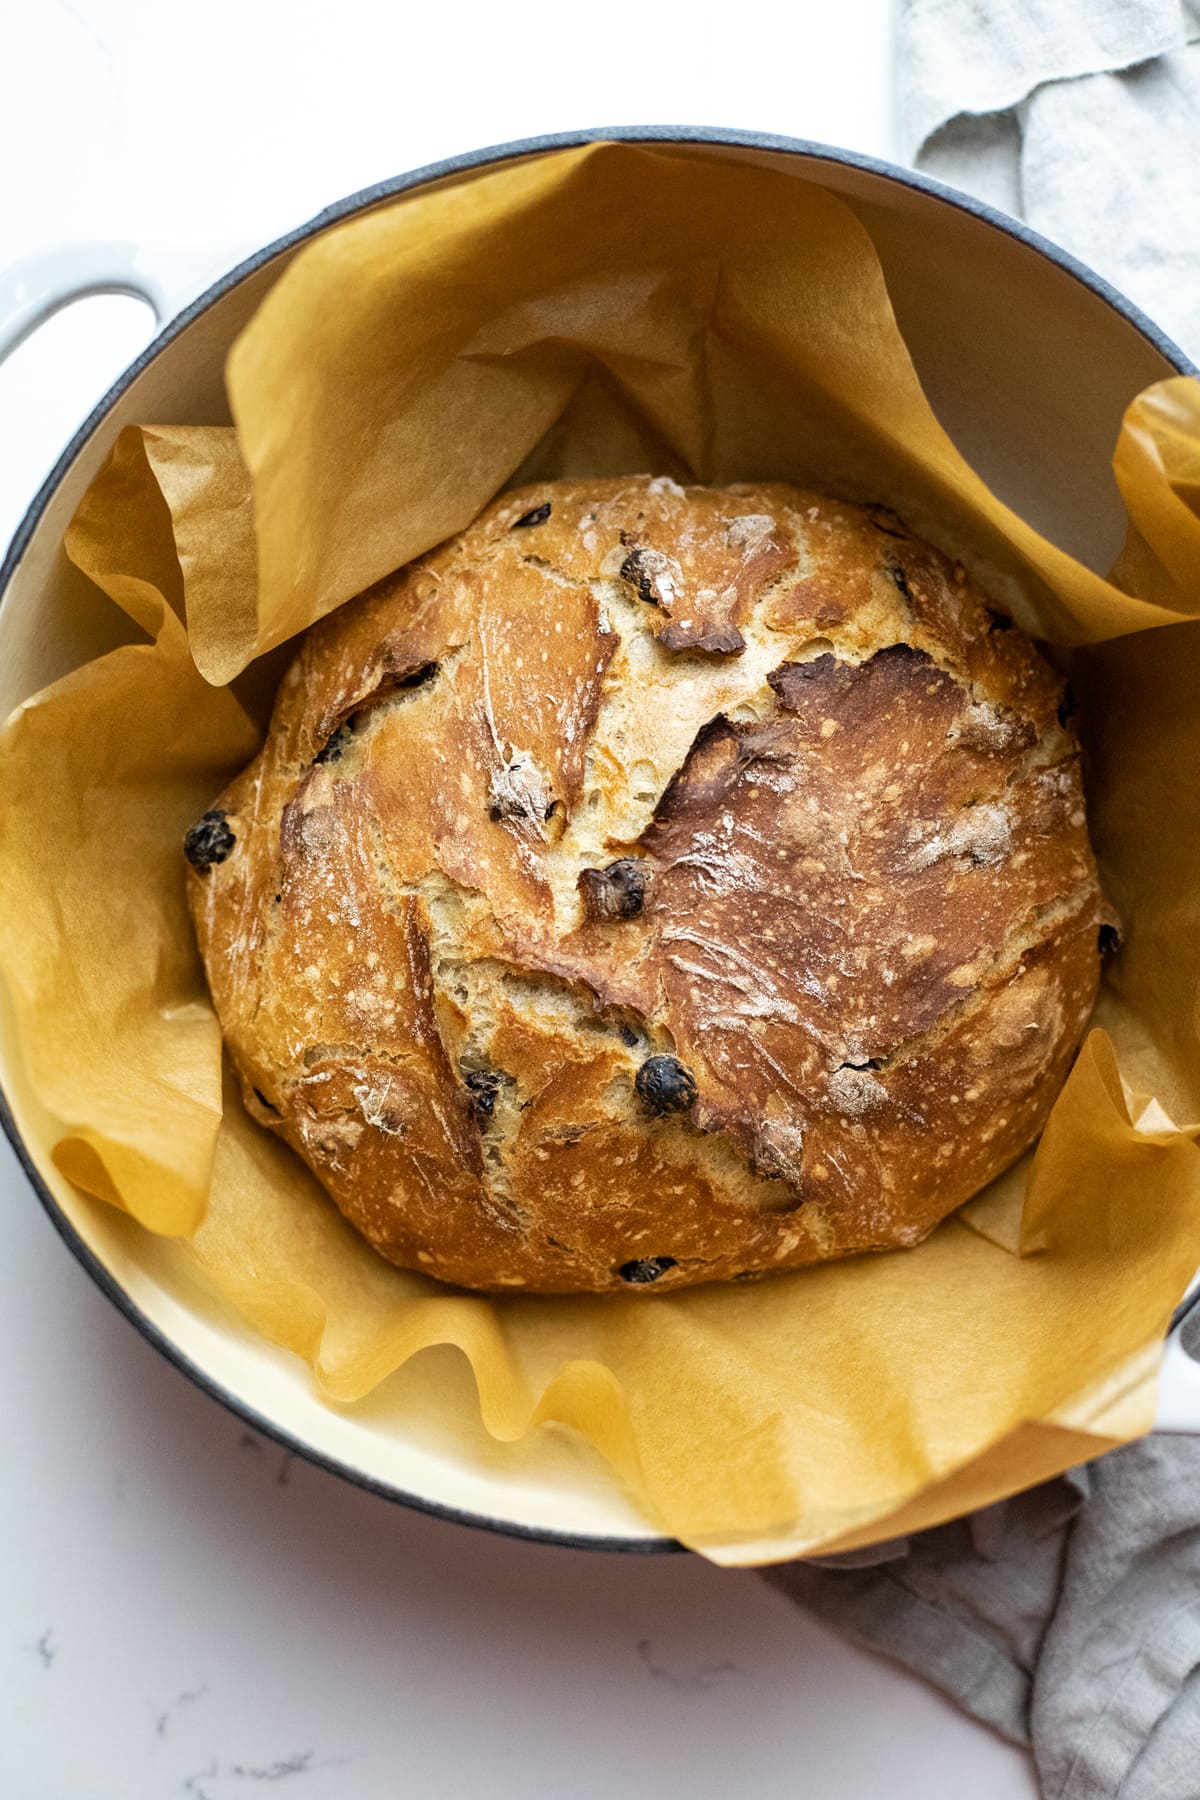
x=35, y=288
x=166, y=277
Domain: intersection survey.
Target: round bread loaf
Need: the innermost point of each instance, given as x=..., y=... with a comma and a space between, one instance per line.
x=655, y=885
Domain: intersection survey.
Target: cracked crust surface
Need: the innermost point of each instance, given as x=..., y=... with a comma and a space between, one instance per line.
x=748, y=779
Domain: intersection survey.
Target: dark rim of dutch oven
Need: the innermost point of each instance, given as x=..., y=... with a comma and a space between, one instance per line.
x=361, y=202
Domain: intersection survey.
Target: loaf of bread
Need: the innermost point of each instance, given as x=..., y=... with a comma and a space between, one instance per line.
x=652, y=886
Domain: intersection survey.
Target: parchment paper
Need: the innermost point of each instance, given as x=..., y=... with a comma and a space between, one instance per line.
x=602, y=310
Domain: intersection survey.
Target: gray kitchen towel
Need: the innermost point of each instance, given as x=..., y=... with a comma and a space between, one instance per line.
x=1081, y=116
x=1068, y=1618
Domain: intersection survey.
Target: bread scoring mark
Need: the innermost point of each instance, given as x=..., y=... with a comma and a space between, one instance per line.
x=550, y=570
x=393, y=688
x=651, y=706
x=389, y=673
x=886, y=521
x=548, y=668
x=394, y=1080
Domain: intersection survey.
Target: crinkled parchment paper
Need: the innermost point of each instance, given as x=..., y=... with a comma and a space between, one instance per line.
x=602, y=310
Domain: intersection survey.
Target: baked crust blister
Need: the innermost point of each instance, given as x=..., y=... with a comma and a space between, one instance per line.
x=655, y=885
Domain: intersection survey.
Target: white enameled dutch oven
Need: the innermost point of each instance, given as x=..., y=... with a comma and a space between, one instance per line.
x=1028, y=359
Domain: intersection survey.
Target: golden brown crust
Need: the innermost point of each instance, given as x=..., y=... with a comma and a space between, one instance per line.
x=749, y=780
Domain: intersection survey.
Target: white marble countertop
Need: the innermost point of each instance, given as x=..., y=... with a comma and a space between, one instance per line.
x=186, y=1610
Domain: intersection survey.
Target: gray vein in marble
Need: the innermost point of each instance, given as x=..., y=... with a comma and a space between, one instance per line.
x=300, y=1762
x=45, y=1649
x=164, y=1719
x=696, y=1678
x=191, y=1784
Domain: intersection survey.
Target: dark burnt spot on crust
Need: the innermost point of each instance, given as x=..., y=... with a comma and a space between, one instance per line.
x=722, y=641
x=617, y=892
x=209, y=841
x=645, y=1269
x=266, y=1104
x=664, y=1085
x=720, y=754
x=1108, y=939
x=829, y=684
x=787, y=681
x=537, y=515
x=707, y=762
x=998, y=621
